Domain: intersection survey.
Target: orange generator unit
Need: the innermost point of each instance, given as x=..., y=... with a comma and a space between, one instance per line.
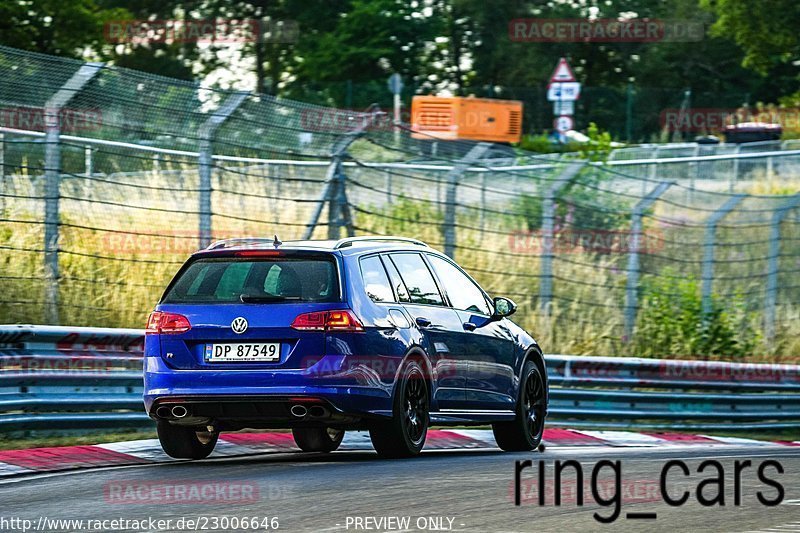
x=476, y=119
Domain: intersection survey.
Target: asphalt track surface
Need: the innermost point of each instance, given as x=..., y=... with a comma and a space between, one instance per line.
x=474, y=488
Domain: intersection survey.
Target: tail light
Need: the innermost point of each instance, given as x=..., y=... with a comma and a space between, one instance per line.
x=167, y=323
x=342, y=321
x=258, y=253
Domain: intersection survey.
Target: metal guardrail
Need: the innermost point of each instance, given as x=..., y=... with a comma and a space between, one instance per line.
x=623, y=157
x=64, y=378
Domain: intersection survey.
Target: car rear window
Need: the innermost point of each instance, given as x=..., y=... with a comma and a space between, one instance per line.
x=257, y=280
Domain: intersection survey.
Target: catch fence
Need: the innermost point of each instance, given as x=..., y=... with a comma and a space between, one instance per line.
x=111, y=177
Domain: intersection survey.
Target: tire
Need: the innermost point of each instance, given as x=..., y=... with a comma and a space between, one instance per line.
x=181, y=442
x=404, y=435
x=318, y=439
x=524, y=433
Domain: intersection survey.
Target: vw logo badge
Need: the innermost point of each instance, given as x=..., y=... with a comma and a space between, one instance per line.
x=239, y=325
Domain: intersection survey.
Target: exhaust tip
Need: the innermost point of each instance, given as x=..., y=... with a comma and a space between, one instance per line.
x=163, y=412
x=318, y=411
x=179, y=411
x=298, y=410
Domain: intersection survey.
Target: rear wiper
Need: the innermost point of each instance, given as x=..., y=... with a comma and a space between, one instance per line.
x=262, y=298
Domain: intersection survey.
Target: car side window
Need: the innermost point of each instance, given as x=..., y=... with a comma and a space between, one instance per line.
x=376, y=283
x=397, y=282
x=418, y=279
x=463, y=293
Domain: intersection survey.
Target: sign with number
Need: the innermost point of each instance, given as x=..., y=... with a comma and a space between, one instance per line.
x=568, y=90
x=563, y=123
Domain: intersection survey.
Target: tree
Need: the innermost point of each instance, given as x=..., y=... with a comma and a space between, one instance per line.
x=767, y=34
x=56, y=27
x=370, y=40
x=173, y=59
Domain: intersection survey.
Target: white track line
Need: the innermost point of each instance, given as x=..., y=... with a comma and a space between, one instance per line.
x=625, y=438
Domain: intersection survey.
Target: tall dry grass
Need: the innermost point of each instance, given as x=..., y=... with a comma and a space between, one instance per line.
x=113, y=276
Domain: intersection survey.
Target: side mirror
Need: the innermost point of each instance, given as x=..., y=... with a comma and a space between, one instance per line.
x=504, y=307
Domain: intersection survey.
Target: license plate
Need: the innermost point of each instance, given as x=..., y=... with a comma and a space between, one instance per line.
x=251, y=351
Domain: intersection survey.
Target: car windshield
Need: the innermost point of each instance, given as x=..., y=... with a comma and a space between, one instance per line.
x=262, y=280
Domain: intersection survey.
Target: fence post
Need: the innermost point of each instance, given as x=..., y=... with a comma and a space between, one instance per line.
x=334, y=194
x=735, y=173
x=632, y=288
x=52, y=187
x=770, y=301
x=2, y=170
x=205, y=164
x=548, y=217
x=708, y=247
x=335, y=218
x=88, y=163
x=449, y=226
x=483, y=200
x=654, y=165
x=388, y=188
x=439, y=200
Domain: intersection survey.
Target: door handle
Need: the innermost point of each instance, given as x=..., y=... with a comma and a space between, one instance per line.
x=422, y=322
x=469, y=326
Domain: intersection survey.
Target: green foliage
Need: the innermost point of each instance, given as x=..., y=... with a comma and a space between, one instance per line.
x=406, y=215
x=577, y=210
x=599, y=146
x=581, y=205
x=544, y=145
x=767, y=36
x=345, y=49
x=671, y=321
x=57, y=27
x=540, y=144
x=529, y=207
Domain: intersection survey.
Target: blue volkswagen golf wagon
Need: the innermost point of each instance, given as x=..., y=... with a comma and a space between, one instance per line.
x=382, y=334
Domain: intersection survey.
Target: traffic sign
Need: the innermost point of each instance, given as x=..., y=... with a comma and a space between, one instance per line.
x=563, y=123
x=562, y=72
x=568, y=90
x=395, y=83
x=564, y=107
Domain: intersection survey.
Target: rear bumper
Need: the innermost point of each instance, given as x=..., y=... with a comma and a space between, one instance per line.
x=347, y=395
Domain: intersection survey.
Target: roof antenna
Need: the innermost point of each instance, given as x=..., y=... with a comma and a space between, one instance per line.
x=277, y=242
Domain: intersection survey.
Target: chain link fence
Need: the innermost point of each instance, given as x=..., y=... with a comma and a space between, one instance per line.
x=109, y=178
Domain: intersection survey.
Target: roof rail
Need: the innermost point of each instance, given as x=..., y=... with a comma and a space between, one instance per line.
x=344, y=243
x=243, y=241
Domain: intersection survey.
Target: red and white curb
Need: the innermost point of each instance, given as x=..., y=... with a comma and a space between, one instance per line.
x=37, y=460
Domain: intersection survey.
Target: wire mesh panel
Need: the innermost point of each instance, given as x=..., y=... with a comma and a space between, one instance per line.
x=696, y=254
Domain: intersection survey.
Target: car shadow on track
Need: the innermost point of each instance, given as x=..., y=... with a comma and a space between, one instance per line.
x=343, y=457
